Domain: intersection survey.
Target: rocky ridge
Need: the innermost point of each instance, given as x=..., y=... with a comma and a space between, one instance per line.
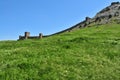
x=105, y=16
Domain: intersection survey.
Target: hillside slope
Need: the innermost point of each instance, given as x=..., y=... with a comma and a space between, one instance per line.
x=102, y=17
x=87, y=54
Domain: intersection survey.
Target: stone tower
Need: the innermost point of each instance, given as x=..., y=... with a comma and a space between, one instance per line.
x=40, y=35
x=27, y=34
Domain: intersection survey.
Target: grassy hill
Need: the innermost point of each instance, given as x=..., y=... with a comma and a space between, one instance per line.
x=88, y=54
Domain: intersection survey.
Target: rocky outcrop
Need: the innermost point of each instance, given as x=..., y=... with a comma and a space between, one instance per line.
x=102, y=17
x=105, y=15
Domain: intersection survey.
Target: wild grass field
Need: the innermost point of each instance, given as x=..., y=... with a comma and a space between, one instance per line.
x=91, y=53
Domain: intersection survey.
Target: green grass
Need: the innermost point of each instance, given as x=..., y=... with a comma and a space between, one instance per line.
x=88, y=54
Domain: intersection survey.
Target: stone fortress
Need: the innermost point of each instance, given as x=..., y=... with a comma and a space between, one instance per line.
x=27, y=36
x=102, y=17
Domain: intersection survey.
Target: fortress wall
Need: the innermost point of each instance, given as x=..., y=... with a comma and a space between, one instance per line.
x=27, y=36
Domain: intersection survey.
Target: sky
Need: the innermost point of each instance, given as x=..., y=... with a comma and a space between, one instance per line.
x=44, y=16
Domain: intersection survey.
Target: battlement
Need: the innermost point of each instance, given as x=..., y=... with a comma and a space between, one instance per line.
x=27, y=36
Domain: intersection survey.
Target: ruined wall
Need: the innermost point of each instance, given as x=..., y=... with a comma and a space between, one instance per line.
x=27, y=36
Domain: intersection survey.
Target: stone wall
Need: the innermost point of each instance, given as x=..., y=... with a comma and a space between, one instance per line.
x=27, y=36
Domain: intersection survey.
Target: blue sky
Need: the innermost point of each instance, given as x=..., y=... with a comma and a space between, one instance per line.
x=44, y=16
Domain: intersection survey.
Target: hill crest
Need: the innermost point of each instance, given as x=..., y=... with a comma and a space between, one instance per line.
x=104, y=16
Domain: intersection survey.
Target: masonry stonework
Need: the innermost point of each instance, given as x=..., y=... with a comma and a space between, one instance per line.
x=27, y=36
